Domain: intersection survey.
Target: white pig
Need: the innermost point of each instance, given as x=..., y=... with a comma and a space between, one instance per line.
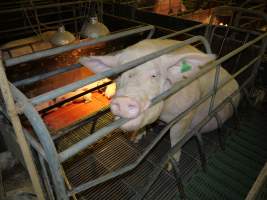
x=138, y=86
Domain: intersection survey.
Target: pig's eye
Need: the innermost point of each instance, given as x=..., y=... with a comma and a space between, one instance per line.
x=155, y=75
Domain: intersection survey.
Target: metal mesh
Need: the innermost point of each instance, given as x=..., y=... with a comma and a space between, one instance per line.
x=116, y=151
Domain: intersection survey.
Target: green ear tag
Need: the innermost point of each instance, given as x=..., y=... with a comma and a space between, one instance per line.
x=185, y=67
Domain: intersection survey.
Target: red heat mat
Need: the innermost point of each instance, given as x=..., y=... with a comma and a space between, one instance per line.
x=68, y=114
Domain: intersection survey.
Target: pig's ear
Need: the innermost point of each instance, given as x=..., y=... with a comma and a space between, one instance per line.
x=187, y=65
x=99, y=64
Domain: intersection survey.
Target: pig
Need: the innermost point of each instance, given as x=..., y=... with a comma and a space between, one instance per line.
x=138, y=86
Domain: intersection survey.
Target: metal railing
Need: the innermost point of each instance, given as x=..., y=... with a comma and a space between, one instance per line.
x=54, y=159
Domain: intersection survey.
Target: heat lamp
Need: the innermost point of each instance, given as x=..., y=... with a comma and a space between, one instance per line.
x=62, y=37
x=93, y=28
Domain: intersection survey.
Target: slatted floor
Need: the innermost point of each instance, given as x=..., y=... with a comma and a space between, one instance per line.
x=230, y=173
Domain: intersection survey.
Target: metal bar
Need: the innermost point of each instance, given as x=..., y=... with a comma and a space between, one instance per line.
x=28, y=136
x=104, y=131
x=37, y=78
x=46, y=179
x=15, y=121
x=179, y=182
x=182, y=31
x=34, y=144
x=74, y=97
x=60, y=91
x=74, y=149
x=258, y=184
x=80, y=123
x=54, y=51
x=40, y=77
x=42, y=24
x=219, y=129
x=2, y=189
x=177, y=86
x=41, y=7
x=46, y=142
x=202, y=153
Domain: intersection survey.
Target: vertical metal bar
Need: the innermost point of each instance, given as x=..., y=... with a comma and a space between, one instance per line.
x=151, y=33
x=75, y=20
x=219, y=131
x=93, y=126
x=15, y=121
x=179, y=182
x=239, y=55
x=2, y=190
x=237, y=121
x=46, y=179
x=201, y=150
x=215, y=85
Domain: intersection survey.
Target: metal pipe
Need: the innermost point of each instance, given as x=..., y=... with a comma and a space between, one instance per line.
x=74, y=97
x=89, y=119
x=41, y=7
x=54, y=51
x=46, y=179
x=182, y=31
x=42, y=24
x=45, y=140
x=60, y=91
x=162, y=134
x=74, y=149
x=33, y=142
x=20, y=137
x=36, y=78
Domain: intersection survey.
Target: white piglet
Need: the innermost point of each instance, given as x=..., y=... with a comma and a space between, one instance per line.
x=138, y=86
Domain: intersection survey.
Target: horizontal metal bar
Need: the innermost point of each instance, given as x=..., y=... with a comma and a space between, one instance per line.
x=40, y=77
x=160, y=136
x=41, y=7
x=76, y=148
x=54, y=51
x=182, y=31
x=36, y=78
x=78, y=124
x=42, y=24
x=74, y=97
x=60, y=91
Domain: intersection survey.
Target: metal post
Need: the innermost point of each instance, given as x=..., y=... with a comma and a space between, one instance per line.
x=202, y=153
x=179, y=182
x=219, y=131
x=46, y=178
x=15, y=121
x=2, y=190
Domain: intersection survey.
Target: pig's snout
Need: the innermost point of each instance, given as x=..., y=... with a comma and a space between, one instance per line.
x=125, y=107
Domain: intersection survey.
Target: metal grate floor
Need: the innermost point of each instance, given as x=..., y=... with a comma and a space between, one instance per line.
x=230, y=173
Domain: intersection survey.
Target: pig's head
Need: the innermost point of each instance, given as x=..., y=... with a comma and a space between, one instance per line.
x=138, y=86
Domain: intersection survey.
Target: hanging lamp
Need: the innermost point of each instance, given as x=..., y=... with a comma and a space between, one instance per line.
x=62, y=37
x=93, y=29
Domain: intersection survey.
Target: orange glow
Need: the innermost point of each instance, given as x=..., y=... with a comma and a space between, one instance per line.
x=68, y=114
